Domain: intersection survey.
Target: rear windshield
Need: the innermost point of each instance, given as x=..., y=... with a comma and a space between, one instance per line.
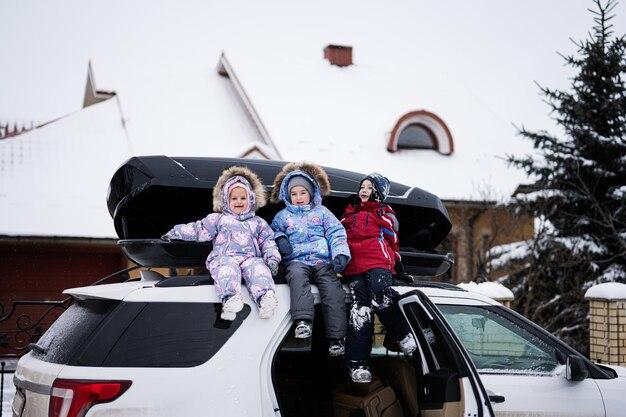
x=124, y=334
x=71, y=330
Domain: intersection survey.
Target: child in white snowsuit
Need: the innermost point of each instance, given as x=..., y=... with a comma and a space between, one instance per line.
x=314, y=249
x=243, y=243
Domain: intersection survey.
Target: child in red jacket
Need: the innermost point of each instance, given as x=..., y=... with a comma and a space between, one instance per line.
x=372, y=230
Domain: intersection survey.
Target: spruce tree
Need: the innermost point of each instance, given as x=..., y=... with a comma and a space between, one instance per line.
x=579, y=189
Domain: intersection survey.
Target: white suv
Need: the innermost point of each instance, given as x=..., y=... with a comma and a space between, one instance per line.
x=157, y=346
x=160, y=349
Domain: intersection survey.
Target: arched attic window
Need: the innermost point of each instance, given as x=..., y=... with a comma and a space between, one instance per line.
x=421, y=129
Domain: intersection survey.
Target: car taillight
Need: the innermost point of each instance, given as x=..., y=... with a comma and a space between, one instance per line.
x=72, y=397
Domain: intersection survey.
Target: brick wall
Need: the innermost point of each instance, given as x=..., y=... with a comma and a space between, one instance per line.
x=607, y=331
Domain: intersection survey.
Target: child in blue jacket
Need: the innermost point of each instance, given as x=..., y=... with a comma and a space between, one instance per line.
x=314, y=249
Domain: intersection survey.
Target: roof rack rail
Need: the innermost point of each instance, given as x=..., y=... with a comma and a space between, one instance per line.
x=434, y=284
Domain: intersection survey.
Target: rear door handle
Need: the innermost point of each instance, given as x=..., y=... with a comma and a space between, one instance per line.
x=496, y=398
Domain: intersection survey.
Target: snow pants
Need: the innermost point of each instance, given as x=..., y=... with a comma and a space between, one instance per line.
x=227, y=272
x=300, y=277
x=371, y=292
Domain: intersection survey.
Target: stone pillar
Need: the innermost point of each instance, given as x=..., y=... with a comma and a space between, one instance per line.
x=607, y=323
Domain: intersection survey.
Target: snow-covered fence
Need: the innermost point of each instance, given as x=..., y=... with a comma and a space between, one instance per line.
x=607, y=323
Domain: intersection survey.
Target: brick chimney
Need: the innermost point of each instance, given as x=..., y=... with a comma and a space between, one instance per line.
x=339, y=55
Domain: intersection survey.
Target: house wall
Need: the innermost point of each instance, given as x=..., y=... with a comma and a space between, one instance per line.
x=477, y=227
x=39, y=270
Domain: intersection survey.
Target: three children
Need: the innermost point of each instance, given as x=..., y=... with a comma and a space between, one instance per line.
x=313, y=245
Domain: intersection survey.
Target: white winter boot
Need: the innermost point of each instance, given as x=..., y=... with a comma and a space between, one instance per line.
x=303, y=330
x=360, y=374
x=408, y=345
x=231, y=307
x=267, y=304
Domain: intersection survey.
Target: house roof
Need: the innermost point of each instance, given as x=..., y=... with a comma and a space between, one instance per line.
x=169, y=98
x=343, y=117
x=51, y=178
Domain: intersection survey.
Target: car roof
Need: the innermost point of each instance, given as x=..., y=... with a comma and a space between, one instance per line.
x=142, y=290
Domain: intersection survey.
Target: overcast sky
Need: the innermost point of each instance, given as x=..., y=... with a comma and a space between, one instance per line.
x=45, y=45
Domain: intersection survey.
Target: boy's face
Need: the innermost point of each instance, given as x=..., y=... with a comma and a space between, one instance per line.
x=366, y=190
x=299, y=196
x=238, y=200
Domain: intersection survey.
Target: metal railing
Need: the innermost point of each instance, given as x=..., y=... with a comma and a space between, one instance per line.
x=28, y=329
x=5, y=401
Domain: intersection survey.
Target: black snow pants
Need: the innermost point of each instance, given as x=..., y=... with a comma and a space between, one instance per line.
x=300, y=277
x=371, y=293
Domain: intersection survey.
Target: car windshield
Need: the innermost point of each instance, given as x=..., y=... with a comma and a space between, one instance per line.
x=496, y=344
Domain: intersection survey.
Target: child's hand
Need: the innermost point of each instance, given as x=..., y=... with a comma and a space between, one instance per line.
x=165, y=238
x=401, y=274
x=339, y=263
x=272, y=264
x=284, y=247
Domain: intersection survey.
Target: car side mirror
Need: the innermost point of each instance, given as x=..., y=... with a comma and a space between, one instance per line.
x=575, y=368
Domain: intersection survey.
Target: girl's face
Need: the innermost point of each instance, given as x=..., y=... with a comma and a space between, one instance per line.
x=238, y=200
x=299, y=196
x=366, y=190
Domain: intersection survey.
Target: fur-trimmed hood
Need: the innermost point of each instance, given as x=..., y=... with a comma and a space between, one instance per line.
x=251, y=181
x=312, y=172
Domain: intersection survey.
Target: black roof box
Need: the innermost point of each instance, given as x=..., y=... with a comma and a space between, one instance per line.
x=149, y=194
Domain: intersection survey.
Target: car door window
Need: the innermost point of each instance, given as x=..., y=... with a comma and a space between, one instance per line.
x=496, y=344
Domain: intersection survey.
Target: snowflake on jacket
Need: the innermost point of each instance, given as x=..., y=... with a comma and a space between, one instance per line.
x=313, y=231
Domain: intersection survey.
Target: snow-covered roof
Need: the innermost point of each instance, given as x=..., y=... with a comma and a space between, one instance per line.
x=53, y=181
x=161, y=61
x=342, y=117
x=607, y=291
x=490, y=289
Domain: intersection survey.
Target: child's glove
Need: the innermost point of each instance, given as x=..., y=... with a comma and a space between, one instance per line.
x=284, y=247
x=272, y=264
x=339, y=263
x=401, y=274
x=166, y=238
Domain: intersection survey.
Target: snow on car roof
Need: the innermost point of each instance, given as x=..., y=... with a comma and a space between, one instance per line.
x=490, y=289
x=449, y=296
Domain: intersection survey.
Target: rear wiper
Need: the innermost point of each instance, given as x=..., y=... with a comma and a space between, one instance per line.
x=37, y=349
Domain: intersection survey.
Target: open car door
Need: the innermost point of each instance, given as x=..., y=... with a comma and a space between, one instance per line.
x=447, y=381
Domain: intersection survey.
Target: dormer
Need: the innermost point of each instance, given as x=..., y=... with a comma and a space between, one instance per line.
x=421, y=129
x=92, y=94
